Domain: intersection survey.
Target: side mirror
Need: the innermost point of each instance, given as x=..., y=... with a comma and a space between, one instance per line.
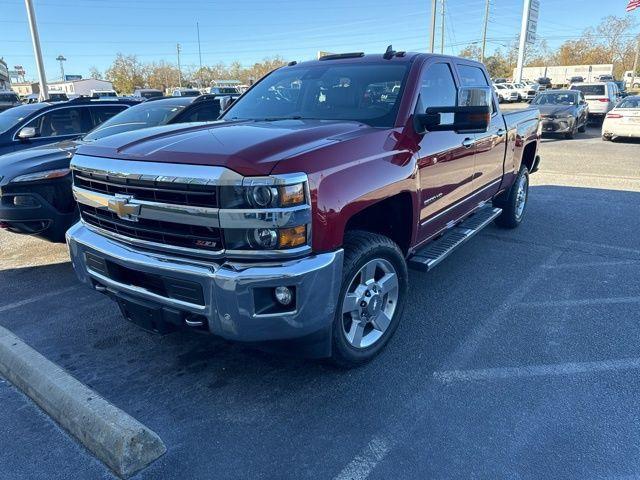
x=26, y=133
x=226, y=102
x=472, y=115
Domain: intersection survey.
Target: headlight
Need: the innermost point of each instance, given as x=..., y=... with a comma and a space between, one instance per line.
x=46, y=175
x=262, y=196
x=265, y=238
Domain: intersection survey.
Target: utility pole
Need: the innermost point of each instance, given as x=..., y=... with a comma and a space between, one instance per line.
x=484, y=30
x=432, y=36
x=179, y=71
x=199, y=52
x=60, y=58
x=442, y=29
x=635, y=62
x=523, y=40
x=35, y=38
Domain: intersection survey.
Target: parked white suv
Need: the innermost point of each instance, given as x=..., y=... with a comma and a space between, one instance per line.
x=505, y=94
x=602, y=97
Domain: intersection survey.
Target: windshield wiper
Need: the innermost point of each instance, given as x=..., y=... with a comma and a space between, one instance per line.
x=275, y=119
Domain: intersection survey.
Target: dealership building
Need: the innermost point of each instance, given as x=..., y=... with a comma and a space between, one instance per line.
x=5, y=84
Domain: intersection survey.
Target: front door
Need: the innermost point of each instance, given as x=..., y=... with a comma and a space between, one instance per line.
x=446, y=164
x=490, y=146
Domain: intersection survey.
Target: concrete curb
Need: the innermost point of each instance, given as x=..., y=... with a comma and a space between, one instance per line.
x=119, y=440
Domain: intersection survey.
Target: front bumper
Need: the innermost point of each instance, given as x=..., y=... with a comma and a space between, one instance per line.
x=42, y=206
x=231, y=291
x=557, y=125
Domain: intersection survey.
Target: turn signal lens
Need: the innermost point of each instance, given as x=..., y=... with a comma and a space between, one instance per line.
x=292, y=237
x=292, y=195
x=614, y=115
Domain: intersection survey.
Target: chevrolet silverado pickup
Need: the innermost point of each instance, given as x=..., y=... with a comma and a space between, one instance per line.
x=292, y=221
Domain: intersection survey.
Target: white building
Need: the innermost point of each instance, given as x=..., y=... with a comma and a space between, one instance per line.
x=76, y=88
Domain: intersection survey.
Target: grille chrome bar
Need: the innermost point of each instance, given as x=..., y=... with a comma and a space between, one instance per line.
x=201, y=216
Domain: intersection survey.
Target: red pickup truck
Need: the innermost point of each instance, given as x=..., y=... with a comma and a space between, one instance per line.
x=292, y=220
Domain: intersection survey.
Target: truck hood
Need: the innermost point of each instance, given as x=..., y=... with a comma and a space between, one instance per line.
x=37, y=159
x=248, y=147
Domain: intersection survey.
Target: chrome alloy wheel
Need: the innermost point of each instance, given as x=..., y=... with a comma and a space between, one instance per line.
x=521, y=195
x=369, y=303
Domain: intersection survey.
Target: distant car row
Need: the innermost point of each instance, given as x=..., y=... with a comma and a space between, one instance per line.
x=35, y=181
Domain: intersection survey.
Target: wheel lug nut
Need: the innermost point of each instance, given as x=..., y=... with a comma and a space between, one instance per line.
x=363, y=304
x=367, y=293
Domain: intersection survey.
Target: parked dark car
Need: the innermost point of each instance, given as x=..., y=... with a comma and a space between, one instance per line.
x=562, y=111
x=8, y=100
x=576, y=79
x=544, y=82
x=35, y=185
x=36, y=124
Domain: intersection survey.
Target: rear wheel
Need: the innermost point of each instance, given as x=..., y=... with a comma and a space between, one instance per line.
x=583, y=128
x=514, y=204
x=372, y=297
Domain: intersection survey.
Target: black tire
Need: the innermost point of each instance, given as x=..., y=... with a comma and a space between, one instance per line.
x=509, y=217
x=360, y=248
x=583, y=128
x=571, y=134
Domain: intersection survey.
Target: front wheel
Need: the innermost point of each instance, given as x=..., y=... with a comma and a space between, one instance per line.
x=372, y=298
x=515, y=203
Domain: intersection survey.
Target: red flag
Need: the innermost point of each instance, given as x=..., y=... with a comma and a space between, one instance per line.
x=633, y=4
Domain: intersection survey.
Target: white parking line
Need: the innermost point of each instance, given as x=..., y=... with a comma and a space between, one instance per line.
x=363, y=464
x=613, y=263
x=26, y=301
x=501, y=373
x=580, y=302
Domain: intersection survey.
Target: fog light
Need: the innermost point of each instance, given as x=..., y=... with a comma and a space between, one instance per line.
x=25, y=201
x=284, y=295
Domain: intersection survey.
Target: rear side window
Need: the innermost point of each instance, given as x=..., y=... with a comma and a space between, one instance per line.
x=202, y=113
x=590, y=89
x=472, y=76
x=102, y=114
x=9, y=97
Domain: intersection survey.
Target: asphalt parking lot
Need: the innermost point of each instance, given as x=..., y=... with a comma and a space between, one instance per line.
x=518, y=357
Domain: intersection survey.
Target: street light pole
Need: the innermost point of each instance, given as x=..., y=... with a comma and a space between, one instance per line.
x=432, y=36
x=635, y=62
x=179, y=70
x=523, y=40
x=61, y=59
x=442, y=29
x=484, y=30
x=35, y=38
x=199, y=52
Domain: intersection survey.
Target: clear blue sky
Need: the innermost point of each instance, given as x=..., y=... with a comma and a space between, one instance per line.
x=90, y=32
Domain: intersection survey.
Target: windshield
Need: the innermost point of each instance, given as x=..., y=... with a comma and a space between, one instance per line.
x=104, y=94
x=134, y=118
x=590, y=89
x=556, y=99
x=189, y=93
x=227, y=90
x=367, y=93
x=14, y=115
x=8, y=97
x=630, y=102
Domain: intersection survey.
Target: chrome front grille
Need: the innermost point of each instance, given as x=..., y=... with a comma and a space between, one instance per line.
x=153, y=190
x=156, y=231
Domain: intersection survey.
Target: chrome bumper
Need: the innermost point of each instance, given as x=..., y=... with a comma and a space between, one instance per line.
x=228, y=287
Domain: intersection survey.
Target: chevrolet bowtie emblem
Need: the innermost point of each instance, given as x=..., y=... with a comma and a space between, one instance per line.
x=120, y=206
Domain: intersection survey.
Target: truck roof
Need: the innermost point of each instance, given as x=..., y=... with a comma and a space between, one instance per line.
x=359, y=57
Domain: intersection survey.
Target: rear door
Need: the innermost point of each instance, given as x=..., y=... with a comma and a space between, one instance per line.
x=102, y=113
x=490, y=147
x=446, y=158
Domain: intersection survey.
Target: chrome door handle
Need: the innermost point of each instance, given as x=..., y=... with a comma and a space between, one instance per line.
x=501, y=132
x=468, y=142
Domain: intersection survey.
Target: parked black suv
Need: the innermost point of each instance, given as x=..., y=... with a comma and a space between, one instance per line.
x=8, y=100
x=35, y=184
x=35, y=124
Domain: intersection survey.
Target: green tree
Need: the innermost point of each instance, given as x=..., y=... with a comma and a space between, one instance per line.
x=126, y=73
